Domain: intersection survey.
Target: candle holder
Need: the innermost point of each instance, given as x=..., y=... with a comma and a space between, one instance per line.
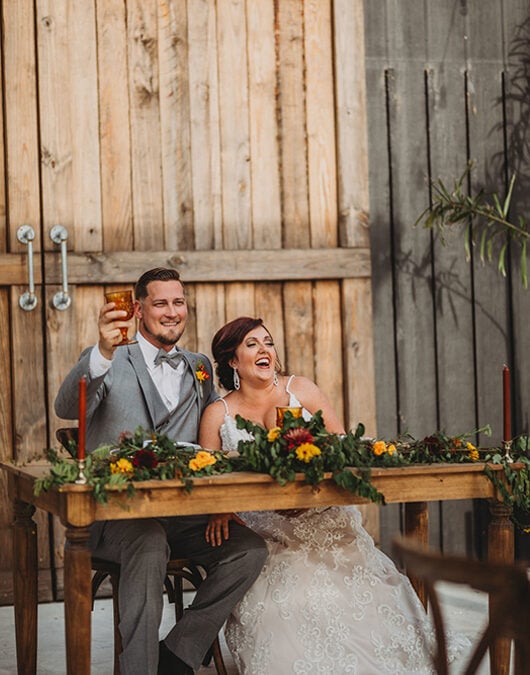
x=81, y=478
x=507, y=445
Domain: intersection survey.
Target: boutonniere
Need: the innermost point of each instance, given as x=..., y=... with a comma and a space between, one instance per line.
x=201, y=374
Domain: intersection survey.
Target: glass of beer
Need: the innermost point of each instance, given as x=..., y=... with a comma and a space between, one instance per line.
x=281, y=410
x=123, y=300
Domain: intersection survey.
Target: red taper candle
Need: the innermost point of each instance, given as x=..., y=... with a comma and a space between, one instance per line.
x=82, y=419
x=506, y=403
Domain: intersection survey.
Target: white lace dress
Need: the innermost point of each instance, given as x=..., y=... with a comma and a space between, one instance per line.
x=327, y=600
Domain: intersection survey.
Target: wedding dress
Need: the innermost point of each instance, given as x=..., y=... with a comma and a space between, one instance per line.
x=327, y=600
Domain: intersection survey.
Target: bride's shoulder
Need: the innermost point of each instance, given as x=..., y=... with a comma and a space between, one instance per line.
x=215, y=411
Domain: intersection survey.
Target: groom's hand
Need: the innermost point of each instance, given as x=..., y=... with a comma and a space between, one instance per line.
x=218, y=527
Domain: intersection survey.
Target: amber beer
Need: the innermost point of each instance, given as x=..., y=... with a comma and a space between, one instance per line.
x=123, y=300
x=281, y=410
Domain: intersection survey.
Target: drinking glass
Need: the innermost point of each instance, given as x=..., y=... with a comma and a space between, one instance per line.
x=124, y=301
x=281, y=410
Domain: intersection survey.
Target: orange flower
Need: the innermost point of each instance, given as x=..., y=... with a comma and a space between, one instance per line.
x=379, y=448
x=201, y=460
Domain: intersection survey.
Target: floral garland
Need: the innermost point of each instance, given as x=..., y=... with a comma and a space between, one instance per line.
x=298, y=446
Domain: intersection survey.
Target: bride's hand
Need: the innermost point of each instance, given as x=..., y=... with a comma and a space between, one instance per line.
x=218, y=527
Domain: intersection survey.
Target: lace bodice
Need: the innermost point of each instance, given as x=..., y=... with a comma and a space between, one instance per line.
x=231, y=435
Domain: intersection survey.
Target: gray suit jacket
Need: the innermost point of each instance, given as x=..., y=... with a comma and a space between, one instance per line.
x=126, y=398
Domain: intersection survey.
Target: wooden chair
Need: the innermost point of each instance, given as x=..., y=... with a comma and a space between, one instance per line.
x=178, y=571
x=507, y=586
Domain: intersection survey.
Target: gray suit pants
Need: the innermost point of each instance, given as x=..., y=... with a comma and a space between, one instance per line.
x=142, y=547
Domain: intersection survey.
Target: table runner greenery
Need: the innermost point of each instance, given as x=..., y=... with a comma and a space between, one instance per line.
x=299, y=446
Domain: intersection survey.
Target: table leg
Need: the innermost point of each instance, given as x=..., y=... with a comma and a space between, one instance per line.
x=500, y=550
x=25, y=584
x=417, y=526
x=77, y=600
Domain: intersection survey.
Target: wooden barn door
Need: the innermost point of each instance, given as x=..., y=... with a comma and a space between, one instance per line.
x=225, y=138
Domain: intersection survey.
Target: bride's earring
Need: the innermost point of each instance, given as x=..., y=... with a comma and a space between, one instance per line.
x=275, y=379
x=237, y=382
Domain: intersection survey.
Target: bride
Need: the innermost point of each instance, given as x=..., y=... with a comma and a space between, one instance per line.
x=327, y=600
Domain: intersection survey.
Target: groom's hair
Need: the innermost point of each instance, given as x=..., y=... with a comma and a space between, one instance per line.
x=156, y=274
x=224, y=345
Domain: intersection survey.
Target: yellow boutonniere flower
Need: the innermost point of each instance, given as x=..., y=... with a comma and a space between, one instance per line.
x=306, y=452
x=201, y=460
x=121, y=466
x=201, y=374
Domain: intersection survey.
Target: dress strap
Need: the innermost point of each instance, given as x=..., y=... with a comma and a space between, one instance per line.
x=288, y=385
x=226, y=406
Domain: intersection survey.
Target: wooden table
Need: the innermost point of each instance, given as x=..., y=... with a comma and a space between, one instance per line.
x=414, y=486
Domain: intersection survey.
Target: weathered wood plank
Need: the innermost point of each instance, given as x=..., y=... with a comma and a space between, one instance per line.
x=209, y=313
x=291, y=105
x=452, y=274
x=265, y=191
x=83, y=102
x=516, y=102
x=275, y=265
x=239, y=300
x=351, y=127
x=205, y=131
x=173, y=50
x=22, y=144
x=299, y=329
x=328, y=343
x=116, y=197
x=144, y=111
x=235, y=134
x=321, y=153
x=486, y=142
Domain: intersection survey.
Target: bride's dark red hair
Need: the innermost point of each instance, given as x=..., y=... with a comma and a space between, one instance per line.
x=224, y=345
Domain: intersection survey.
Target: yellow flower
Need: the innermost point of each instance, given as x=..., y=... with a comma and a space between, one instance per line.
x=201, y=373
x=379, y=448
x=121, y=466
x=201, y=460
x=473, y=454
x=391, y=449
x=273, y=434
x=470, y=446
x=306, y=452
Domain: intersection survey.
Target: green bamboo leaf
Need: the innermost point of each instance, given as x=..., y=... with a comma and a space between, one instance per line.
x=502, y=258
x=508, y=197
x=524, y=274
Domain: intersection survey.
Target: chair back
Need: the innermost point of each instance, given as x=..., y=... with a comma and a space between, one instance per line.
x=68, y=438
x=507, y=586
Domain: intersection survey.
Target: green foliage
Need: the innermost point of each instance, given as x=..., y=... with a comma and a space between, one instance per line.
x=484, y=220
x=298, y=447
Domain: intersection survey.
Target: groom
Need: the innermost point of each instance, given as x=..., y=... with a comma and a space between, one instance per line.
x=153, y=384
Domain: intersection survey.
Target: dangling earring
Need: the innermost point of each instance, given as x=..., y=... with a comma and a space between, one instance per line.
x=237, y=381
x=275, y=379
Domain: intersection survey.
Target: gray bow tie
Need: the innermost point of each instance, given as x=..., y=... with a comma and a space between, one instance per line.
x=173, y=359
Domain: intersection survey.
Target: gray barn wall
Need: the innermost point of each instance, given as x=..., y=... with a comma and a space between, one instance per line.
x=447, y=81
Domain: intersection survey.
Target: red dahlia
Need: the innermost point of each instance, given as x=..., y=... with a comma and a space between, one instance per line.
x=296, y=437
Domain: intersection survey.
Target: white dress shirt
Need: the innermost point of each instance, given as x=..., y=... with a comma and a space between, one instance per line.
x=166, y=379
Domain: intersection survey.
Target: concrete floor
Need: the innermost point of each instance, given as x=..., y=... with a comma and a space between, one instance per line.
x=465, y=611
